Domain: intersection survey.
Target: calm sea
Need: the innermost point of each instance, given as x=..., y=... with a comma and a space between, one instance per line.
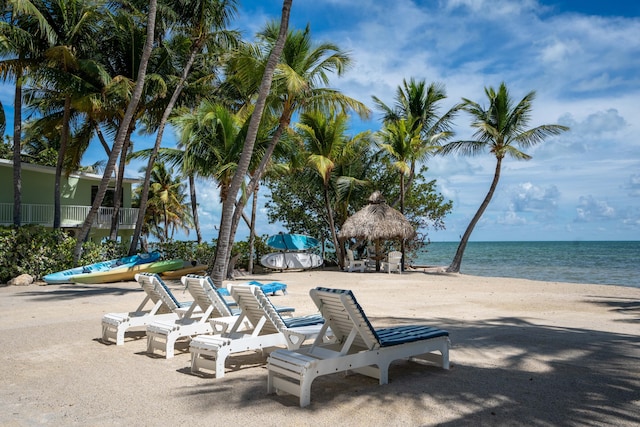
x=607, y=263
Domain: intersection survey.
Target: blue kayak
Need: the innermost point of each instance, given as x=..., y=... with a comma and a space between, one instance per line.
x=66, y=276
x=292, y=242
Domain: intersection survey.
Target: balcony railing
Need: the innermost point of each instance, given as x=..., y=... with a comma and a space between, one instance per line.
x=70, y=216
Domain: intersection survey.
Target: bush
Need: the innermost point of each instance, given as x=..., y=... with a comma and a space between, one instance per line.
x=202, y=253
x=33, y=250
x=38, y=251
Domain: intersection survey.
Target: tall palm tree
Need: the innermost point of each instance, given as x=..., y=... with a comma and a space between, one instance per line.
x=202, y=21
x=325, y=141
x=123, y=129
x=223, y=247
x=401, y=140
x=419, y=105
x=501, y=128
x=76, y=25
x=299, y=80
x=23, y=34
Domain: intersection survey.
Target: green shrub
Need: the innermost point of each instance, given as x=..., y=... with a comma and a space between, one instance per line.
x=38, y=251
x=33, y=250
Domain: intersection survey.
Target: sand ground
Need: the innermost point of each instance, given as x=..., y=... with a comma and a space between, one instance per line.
x=523, y=353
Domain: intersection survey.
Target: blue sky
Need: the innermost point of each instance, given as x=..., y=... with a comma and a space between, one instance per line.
x=581, y=57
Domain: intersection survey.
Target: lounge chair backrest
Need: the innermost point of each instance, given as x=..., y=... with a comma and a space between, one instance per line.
x=342, y=312
x=151, y=282
x=255, y=305
x=205, y=294
x=350, y=256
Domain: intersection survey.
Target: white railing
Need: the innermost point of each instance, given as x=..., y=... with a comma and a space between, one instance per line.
x=70, y=216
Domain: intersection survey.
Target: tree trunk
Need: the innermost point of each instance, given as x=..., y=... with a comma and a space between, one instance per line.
x=228, y=205
x=117, y=196
x=122, y=130
x=457, y=259
x=64, y=138
x=144, y=195
x=194, y=207
x=332, y=227
x=252, y=230
x=17, y=148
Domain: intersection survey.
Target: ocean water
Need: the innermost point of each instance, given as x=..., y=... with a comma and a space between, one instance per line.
x=607, y=263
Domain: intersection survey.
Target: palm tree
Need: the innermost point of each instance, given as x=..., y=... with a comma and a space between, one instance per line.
x=123, y=130
x=202, y=21
x=401, y=140
x=76, y=24
x=419, y=105
x=303, y=68
x=23, y=32
x=223, y=246
x=167, y=210
x=499, y=128
x=325, y=142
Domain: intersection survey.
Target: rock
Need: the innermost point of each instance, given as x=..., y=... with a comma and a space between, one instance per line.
x=21, y=280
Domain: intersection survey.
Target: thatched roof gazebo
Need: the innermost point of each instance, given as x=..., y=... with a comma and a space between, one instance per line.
x=377, y=222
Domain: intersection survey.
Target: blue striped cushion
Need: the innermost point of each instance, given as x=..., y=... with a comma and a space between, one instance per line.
x=410, y=333
x=294, y=322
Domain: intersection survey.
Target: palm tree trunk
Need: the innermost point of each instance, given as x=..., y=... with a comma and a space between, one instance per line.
x=224, y=245
x=122, y=130
x=117, y=196
x=332, y=227
x=64, y=138
x=457, y=259
x=17, y=148
x=194, y=207
x=252, y=230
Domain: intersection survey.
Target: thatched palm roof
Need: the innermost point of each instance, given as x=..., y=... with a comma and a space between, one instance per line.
x=377, y=221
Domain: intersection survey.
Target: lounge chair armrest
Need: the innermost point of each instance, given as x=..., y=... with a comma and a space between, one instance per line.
x=294, y=339
x=219, y=327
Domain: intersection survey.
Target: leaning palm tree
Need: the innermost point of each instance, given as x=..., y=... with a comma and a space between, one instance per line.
x=123, y=129
x=499, y=128
x=299, y=78
x=202, y=21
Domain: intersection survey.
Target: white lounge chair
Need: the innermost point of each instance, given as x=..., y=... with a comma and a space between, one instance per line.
x=358, y=347
x=355, y=264
x=209, y=352
x=162, y=334
x=165, y=307
x=208, y=303
x=393, y=262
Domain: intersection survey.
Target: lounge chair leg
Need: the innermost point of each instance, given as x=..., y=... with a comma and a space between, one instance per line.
x=120, y=336
x=170, y=345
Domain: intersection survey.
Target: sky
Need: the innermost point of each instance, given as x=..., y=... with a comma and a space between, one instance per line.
x=582, y=58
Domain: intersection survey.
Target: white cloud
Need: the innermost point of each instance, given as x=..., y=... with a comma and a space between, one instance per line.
x=589, y=209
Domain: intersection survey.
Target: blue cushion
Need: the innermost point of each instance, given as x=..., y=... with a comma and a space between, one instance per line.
x=295, y=322
x=410, y=333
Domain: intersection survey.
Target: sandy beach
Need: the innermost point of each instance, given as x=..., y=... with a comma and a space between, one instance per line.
x=523, y=353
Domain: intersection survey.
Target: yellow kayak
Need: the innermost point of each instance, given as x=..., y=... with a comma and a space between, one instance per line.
x=188, y=267
x=127, y=273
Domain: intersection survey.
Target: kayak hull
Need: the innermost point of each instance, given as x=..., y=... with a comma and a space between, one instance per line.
x=66, y=276
x=188, y=267
x=128, y=273
x=291, y=261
